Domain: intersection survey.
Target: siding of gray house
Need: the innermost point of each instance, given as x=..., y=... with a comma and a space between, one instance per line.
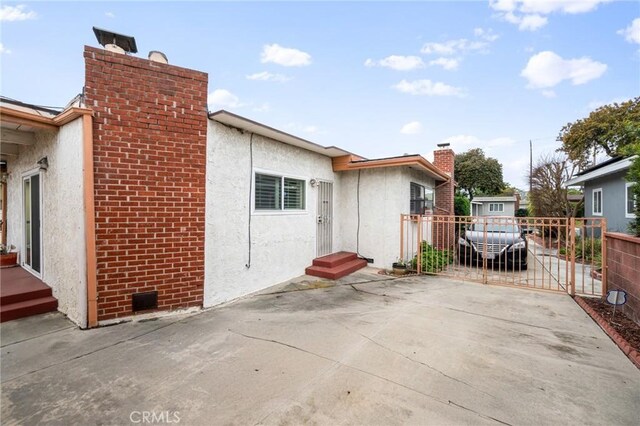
x=483, y=209
x=613, y=200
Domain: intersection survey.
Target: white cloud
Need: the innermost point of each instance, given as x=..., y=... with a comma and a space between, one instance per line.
x=222, y=99
x=16, y=13
x=310, y=129
x=487, y=34
x=411, y=128
x=428, y=88
x=452, y=47
x=548, y=93
x=284, y=56
x=110, y=14
x=448, y=64
x=547, y=69
x=397, y=62
x=481, y=42
x=632, y=32
x=530, y=15
x=267, y=76
x=4, y=49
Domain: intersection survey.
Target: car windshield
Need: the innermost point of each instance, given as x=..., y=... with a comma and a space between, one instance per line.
x=496, y=227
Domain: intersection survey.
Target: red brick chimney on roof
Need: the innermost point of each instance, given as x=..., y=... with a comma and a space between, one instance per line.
x=444, y=160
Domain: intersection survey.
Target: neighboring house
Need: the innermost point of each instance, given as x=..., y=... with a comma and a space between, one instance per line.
x=495, y=206
x=607, y=193
x=137, y=197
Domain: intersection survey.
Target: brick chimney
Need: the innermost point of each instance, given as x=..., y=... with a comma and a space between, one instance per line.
x=149, y=136
x=444, y=160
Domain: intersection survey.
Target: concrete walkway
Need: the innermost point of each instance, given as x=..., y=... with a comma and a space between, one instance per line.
x=420, y=350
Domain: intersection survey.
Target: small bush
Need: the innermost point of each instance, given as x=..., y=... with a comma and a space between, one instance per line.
x=433, y=260
x=461, y=206
x=590, y=253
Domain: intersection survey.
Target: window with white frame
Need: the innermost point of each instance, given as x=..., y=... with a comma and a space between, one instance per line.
x=630, y=201
x=596, y=206
x=421, y=198
x=278, y=193
x=496, y=207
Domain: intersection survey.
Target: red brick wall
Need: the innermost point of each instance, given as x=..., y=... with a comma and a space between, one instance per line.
x=443, y=230
x=444, y=160
x=149, y=130
x=623, y=262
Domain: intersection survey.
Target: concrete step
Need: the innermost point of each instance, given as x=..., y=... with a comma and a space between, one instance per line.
x=334, y=259
x=27, y=308
x=338, y=271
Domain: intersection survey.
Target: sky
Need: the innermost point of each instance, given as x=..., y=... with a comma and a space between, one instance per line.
x=377, y=79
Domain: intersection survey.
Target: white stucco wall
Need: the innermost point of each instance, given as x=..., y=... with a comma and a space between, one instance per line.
x=282, y=245
x=384, y=196
x=63, y=239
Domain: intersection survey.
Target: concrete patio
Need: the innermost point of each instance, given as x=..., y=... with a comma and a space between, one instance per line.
x=363, y=350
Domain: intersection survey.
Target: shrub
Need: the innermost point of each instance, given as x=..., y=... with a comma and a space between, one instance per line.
x=590, y=253
x=522, y=213
x=461, y=206
x=433, y=260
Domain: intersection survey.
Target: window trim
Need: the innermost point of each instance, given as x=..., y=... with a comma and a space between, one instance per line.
x=626, y=200
x=282, y=211
x=501, y=210
x=593, y=202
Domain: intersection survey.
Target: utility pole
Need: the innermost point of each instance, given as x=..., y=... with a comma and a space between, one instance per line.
x=530, y=166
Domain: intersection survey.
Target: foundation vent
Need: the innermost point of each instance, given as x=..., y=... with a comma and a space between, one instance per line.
x=144, y=301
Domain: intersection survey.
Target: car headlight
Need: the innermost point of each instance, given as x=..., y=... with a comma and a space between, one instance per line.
x=518, y=246
x=463, y=242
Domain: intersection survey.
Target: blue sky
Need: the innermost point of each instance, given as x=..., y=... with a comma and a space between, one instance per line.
x=375, y=78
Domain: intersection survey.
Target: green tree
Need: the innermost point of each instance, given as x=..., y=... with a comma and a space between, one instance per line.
x=613, y=130
x=461, y=205
x=610, y=129
x=476, y=173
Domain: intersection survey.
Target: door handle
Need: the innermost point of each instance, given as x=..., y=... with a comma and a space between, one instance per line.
x=319, y=219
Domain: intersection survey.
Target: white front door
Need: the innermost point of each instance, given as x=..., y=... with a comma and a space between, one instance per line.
x=32, y=223
x=324, y=219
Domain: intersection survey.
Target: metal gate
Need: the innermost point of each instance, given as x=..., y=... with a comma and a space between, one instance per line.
x=324, y=218
x=555, y=254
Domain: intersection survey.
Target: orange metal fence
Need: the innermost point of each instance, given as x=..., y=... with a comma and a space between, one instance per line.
x=555, y=254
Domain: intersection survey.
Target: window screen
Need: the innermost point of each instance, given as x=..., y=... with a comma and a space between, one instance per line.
x=268, y=192
x=294, y=194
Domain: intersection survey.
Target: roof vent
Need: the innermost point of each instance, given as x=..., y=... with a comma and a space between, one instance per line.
x=111, y=41
x=156, y=56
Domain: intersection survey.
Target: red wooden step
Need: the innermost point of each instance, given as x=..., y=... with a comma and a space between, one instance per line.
x=26, y=291
x=27, y=308
x=338, y=271
x=334, y=259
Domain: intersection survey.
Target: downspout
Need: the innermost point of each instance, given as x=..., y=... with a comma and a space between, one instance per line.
x=89, y=221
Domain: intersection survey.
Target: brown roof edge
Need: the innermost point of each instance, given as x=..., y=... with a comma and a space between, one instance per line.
x=348, y=162
x=35, y=120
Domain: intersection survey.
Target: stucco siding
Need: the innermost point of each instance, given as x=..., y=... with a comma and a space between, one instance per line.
x=63, y=239
x=384, y=196
x=613, y=201
x=282, y=244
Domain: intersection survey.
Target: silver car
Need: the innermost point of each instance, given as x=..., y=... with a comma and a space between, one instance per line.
x=497, y=242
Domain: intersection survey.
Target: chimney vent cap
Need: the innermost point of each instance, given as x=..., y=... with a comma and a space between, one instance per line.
x=125, y=42
x=158, y=56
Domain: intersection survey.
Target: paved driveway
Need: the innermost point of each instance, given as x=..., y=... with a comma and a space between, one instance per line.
x=420, y=350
